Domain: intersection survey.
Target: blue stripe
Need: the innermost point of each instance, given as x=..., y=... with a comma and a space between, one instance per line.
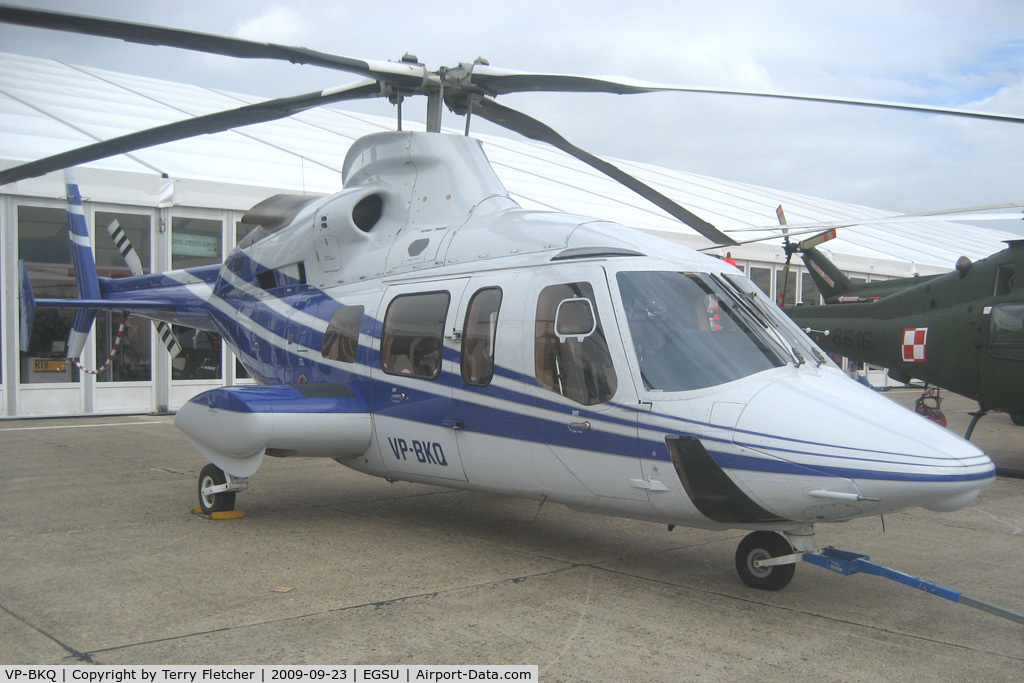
x=282, y=399
x=546, y=430
x=743, y=462
x=512, y=424
x=272, y=364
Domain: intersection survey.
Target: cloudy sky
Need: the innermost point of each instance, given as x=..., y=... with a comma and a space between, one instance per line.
x=961, y=53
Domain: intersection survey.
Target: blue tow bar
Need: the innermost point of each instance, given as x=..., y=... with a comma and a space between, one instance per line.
x=846, y=563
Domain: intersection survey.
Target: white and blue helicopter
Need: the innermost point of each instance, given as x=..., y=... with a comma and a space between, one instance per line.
x=419, y=325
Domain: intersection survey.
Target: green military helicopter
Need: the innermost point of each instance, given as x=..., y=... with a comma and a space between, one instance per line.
x=962, y=331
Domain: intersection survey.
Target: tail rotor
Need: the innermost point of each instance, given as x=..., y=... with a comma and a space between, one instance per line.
x=134, y=263
x=796, y=248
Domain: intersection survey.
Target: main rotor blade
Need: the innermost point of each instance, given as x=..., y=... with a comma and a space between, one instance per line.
x=201, y=125
x=502, y=82
x=401, y=74
x=535, y=130
x=945, y=216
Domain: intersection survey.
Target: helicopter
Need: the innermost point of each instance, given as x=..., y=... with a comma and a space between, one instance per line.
x=420, y=326
x=962, y=331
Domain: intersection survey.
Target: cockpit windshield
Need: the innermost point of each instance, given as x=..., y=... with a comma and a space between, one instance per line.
x=692, y=331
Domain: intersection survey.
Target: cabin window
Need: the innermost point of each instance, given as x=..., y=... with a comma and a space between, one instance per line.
x=478, y=336
x=292, y=275
x=576, y=363
x=413, y=338
x=1006, y=332
x=341, y=340
x=689, y=334
x=1004, y=278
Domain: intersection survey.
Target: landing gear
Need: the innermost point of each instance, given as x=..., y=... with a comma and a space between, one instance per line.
x=975, y=416
x=214, y=495
x=763, y=545
x=1017, y=419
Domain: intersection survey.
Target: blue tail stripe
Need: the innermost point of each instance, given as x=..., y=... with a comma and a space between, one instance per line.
x=81, y=254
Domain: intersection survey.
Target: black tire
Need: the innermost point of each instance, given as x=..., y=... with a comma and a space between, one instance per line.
x=211, y=475
x=1017, y=419
x=762, y=545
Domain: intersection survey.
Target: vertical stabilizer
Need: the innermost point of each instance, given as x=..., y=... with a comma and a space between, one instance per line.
x=27, y=308
x=85, y=266
x=831, y=281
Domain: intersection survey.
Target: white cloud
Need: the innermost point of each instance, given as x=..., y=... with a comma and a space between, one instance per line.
x=275, y=25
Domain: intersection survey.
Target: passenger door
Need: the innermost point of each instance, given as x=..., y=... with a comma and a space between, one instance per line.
x=578, y=362
x=414, y=417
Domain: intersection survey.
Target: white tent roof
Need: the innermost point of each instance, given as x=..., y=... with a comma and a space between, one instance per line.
x=48, y=107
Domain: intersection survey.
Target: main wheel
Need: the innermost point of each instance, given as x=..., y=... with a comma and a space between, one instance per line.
x=1017, y=419
x=762, y=545
x=211, y=475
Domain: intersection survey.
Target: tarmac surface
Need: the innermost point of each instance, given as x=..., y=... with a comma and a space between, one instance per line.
x=102, y=561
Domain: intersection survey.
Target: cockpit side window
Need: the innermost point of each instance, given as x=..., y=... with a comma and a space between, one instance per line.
x=576, y=366
x=478, y=336
x=341, y=340
x=413, y=339
x=687, y=335
x=1006, y=332
x=1004, y=278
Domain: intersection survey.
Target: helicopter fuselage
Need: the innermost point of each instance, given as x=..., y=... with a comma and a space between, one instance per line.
x=961, y=331
x=483, y=346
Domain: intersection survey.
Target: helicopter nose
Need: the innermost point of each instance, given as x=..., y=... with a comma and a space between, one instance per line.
x=854, y=452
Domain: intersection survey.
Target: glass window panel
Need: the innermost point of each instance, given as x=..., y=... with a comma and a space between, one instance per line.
x=133, y=361
x=789, y=286
x=1004, y=278
x=200, y=356
x=196, y=242
x=341, y=341
x=1006, y=334
x=478, y=337
x=686, y=336
x=808, y=290
x=762, y=277
x=43, y=244
x=413, y=336
x=579, y=369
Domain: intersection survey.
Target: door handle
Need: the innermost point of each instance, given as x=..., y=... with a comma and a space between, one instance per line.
x=398, y=397
x=454, y=423
x=580, y=427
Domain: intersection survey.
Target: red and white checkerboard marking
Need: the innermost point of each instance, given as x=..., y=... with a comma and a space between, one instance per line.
x=915, y=339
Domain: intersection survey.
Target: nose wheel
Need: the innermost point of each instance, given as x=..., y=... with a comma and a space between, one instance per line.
x=764, y=545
